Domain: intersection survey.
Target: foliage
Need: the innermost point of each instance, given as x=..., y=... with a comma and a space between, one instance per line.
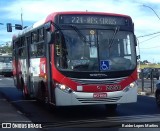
x=150, y=65
x=6, y=49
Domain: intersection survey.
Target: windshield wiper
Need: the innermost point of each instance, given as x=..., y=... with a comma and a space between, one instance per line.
x=82, y=37
x=113, y=37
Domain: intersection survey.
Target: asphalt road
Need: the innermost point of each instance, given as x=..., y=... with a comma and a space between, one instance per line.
x=145, y=110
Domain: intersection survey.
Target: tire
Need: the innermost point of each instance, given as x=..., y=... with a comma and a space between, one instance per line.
x=41, y=96
x=5, y=75
x=25, y=94
x=158, y=98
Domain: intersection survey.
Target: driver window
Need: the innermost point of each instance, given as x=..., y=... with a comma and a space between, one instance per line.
x=61, y=50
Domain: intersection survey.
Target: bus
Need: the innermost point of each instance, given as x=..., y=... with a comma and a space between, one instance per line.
x=77, y=58
x=6, y=64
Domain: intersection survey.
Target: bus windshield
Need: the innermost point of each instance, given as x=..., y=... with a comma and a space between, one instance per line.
x=101, y=51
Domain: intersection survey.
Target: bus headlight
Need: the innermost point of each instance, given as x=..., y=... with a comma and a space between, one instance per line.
x=132, y=85
x=63, y=88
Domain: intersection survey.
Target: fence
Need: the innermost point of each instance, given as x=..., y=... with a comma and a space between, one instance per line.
x=148, y=82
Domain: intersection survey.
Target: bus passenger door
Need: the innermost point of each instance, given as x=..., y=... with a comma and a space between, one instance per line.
x=49, y=54
x=16, y=65
x=29, y=73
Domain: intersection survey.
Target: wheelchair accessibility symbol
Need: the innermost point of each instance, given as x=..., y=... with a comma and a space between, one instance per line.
x=104, y=65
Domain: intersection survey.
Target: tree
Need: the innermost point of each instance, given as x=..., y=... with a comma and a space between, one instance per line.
x=6, y=49
x=145, y=61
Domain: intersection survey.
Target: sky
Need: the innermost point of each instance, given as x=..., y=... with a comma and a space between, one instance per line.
x=145, y=15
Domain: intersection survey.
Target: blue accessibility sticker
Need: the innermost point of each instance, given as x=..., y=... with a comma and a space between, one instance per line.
x=104, y=65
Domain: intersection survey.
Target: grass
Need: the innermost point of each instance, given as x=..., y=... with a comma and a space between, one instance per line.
x=150, y=65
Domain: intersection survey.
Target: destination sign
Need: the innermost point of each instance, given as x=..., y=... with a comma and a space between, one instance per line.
x=93, y=19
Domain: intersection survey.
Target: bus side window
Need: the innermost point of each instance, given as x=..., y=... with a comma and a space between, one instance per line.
x=34, y=40
x=41, y=34
x=34, y=37
x=40, y=49
x=19, y=52
x=33, y=50
x=22, y=48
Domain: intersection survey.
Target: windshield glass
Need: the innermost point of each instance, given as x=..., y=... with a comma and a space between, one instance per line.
x=100, y=51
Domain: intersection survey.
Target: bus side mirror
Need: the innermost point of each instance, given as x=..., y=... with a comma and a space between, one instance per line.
x=138, y=57
x=50, y=37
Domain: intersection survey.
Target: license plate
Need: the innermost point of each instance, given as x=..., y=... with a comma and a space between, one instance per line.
x=99, y=95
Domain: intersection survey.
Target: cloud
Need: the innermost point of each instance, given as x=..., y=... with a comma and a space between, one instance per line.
x=34, y=10
x=144, y=19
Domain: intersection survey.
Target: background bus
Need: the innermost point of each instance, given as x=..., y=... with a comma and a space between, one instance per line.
x=6, y=64
x=77, y=58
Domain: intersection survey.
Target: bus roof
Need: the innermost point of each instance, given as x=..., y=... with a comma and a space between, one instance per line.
x=51, y=16
x=87, y=12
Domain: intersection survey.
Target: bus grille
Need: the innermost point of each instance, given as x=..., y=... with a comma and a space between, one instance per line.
x=100, y=100
x=99, y=81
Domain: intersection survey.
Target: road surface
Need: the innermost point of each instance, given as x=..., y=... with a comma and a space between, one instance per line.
x=144, y=111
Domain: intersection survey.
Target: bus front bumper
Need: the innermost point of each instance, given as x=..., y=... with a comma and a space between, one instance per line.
x=87, y=98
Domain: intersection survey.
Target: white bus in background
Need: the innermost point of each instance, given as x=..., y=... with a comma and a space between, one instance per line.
x=6, y=64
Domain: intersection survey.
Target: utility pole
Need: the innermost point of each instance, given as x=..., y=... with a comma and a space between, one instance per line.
x=139, y=60
x=22, y=18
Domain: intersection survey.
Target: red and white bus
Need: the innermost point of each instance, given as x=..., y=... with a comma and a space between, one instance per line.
x=77, y=58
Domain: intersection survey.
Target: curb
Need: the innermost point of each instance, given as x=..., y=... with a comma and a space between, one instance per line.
x=142, y=93
x=146, y=94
